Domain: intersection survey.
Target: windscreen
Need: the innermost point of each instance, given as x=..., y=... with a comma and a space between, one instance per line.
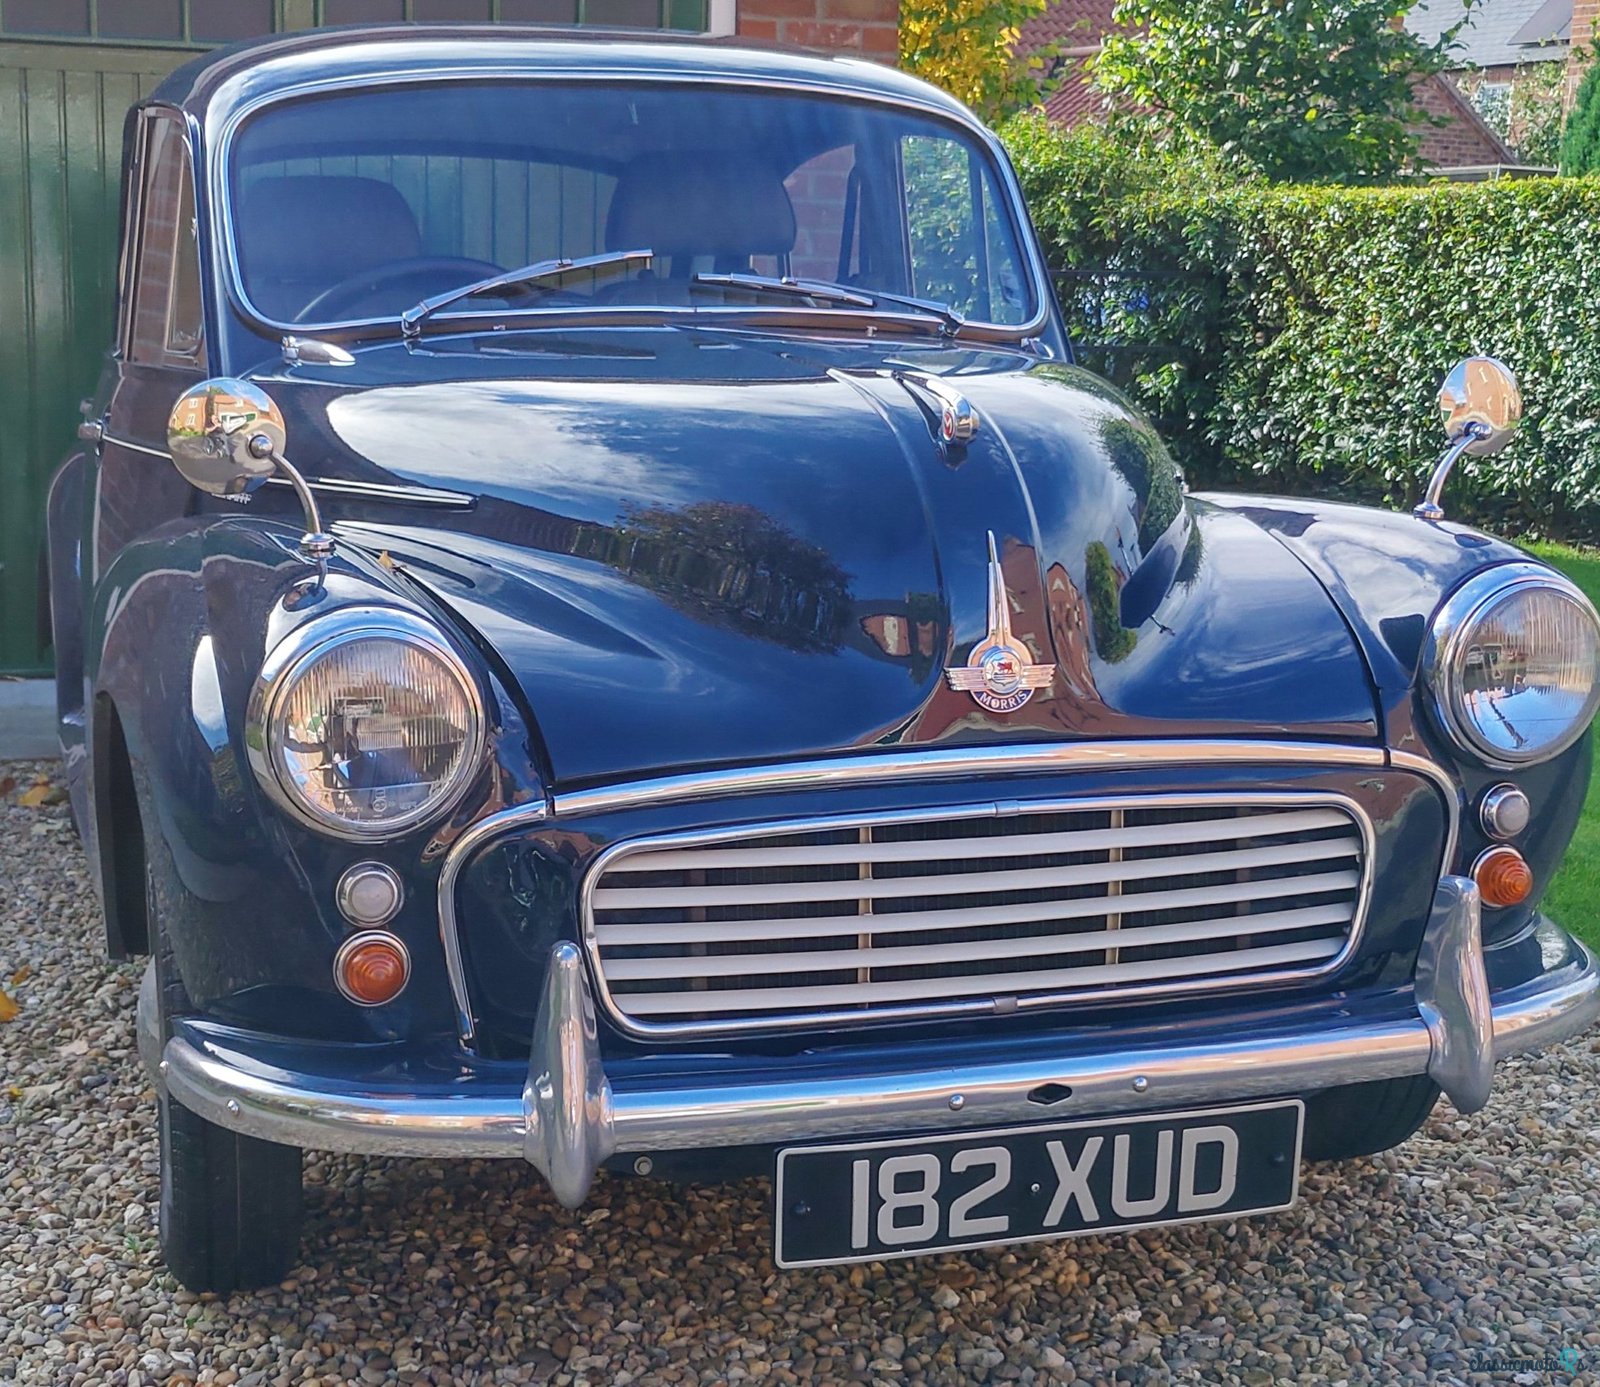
x=358, y=205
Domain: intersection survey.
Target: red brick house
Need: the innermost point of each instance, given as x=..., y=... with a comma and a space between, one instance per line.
x=1076, y=28
x=870, y=28
x=1580, y=46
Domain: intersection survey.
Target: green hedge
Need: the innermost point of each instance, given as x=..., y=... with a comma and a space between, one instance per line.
x=1293, y=339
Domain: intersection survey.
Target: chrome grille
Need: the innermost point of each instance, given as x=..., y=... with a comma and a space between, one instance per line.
x=988, y=907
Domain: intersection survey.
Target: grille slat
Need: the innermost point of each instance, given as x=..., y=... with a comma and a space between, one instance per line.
x=1028, y=946
x=850, y=993
x=965, y=884
x=789, y=925
x=825, y=926
x=1023, y=845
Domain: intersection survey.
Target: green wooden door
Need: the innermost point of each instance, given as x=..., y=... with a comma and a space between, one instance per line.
x=61, y=113
x=69, y=70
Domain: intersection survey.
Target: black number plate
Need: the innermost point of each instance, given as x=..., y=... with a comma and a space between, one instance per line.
x=868, y=1201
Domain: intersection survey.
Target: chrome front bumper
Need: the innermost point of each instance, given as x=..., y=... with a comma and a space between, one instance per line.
x=570, y=1117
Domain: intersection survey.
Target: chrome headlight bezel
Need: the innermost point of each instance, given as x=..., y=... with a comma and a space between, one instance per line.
x=292, y=656
x=1449, y=636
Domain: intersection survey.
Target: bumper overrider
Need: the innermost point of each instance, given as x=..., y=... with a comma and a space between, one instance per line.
x=567, y=1115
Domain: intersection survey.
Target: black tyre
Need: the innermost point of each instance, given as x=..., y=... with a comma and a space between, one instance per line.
x=1363, y=1119
x=231, y=1205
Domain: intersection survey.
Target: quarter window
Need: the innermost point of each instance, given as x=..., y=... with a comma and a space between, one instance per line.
x=961, y=246
x=165, y=324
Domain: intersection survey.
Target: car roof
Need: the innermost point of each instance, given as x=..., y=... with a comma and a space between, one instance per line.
x=213, y=86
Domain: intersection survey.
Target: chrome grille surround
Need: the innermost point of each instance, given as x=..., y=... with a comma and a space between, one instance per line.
x=872, y=904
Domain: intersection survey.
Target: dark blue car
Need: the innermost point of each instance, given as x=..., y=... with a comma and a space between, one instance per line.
x=703, y=684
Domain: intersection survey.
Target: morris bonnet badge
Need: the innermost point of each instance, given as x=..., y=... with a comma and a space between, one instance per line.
x=998, y=674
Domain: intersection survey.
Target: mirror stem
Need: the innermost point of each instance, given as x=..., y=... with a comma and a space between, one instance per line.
x=1428, y=508
x=316, y=544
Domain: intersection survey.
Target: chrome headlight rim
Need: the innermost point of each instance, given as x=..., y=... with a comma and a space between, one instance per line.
x=1448, y=635
x=295, y=653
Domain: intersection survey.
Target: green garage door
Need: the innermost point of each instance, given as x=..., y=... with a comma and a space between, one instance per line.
x=69, y=70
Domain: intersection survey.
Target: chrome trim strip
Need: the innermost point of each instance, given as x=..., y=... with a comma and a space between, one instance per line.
x=383, y=491
x=461, y=852
x=949, y=762
x=1449, y=789
x=975, y=1006
x=1158, y=1076
x=133, y=447
x=1022, y=226
x=376, y=491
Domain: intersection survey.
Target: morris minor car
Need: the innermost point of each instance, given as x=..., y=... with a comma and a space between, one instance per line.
x=598, y=623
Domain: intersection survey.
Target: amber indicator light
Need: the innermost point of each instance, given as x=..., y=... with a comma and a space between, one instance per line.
x=372, y=969
x=1503, y=876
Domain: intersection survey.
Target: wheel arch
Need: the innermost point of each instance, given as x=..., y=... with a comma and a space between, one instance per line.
x=119, y=835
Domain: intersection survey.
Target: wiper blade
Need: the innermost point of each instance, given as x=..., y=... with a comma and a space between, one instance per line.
x=539, y=272
x=799, y=288
x=837, y=293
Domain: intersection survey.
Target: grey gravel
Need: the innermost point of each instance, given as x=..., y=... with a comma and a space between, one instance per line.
x=1478, y=1240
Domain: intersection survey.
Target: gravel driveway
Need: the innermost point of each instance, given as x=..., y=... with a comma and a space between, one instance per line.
x=1478, y=1243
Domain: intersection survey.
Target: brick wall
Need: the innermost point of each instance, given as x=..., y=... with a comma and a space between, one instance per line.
x=1585, y=14
x=1466, y=142
x=869, y=28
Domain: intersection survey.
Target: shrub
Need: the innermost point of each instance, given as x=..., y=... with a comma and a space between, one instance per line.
x=1317, y=91
x=1294, y=339
x=1580, y=144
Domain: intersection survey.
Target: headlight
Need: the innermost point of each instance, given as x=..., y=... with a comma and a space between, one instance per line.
x=366, y=724
x=1513, y=662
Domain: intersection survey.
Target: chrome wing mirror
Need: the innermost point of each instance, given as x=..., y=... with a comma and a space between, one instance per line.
x=227, y=438
x=1481, y=405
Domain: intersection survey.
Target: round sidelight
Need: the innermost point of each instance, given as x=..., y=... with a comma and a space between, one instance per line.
x=1504, y=811
x=1503, y=876
x=372, y=968
x=369, y=894
x=366, y=724
x=1513, y=664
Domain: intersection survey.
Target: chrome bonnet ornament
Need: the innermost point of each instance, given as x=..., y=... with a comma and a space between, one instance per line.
x=999, y=674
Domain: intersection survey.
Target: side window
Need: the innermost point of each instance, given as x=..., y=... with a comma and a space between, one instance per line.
x=961, y=247
x=165, y=324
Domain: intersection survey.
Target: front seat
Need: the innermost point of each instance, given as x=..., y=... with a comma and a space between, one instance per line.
x=309, y=232
x=702, y=212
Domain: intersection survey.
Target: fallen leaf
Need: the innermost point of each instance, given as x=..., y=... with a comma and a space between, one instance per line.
x=33, y=796
x=8, y=1006
x=384, y=561
x=13, y=1093
x=21, y=975
x=8, y=783
x=32, y=1091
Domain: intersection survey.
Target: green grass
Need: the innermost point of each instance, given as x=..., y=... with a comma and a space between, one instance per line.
x=1574, y=896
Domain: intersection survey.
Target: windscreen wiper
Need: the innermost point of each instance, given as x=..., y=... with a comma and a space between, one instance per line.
x=539, y=272
x=837, y=293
